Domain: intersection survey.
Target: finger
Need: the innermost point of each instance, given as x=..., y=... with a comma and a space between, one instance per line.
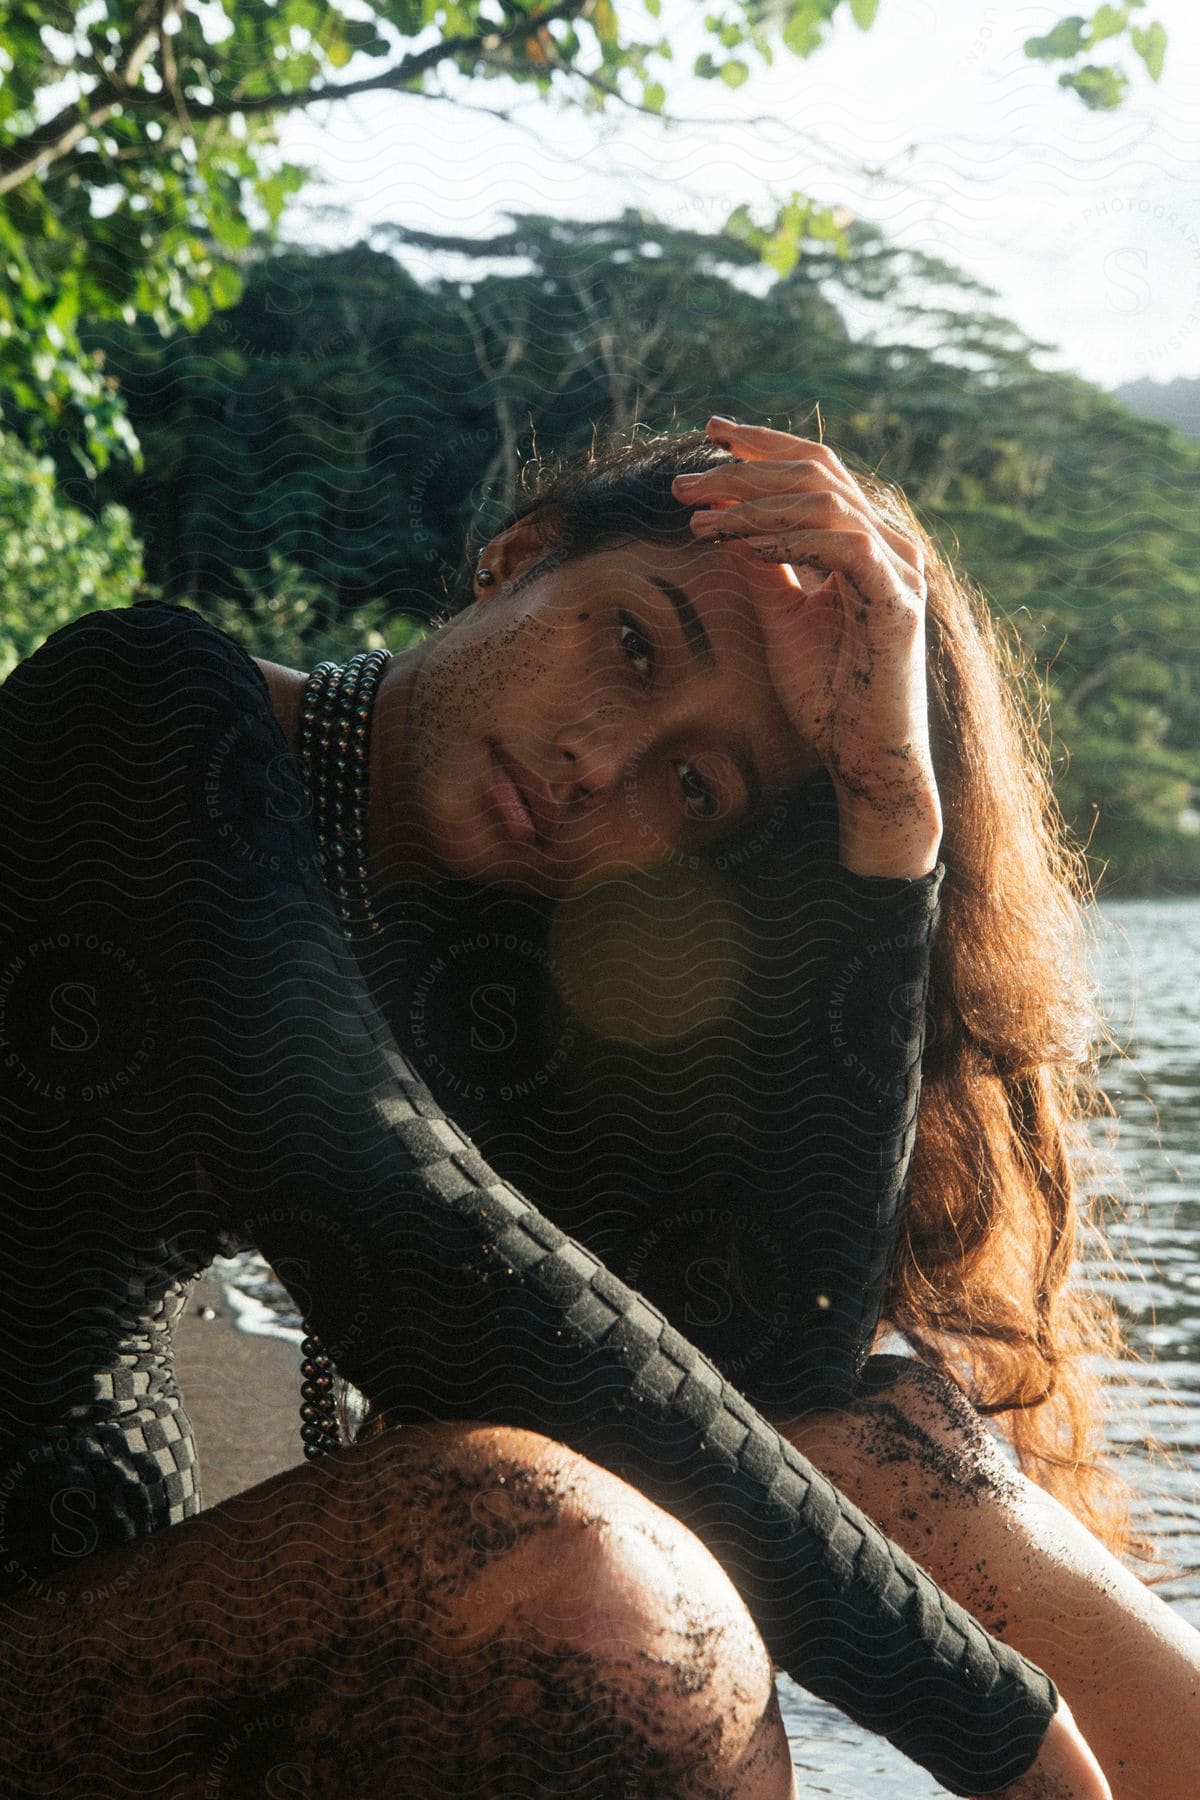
x=801, y=513
x=761, y=442
x=854, y=554
x=783, y=516
x=738, y=480
x=746, y=479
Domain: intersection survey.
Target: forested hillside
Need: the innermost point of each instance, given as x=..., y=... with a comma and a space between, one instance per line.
x=334, y=434
x=1174, y=403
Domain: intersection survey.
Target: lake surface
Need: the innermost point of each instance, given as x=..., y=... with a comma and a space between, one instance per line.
x=1147, y=959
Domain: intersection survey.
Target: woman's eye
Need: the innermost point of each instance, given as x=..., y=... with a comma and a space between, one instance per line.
x=636, y=645
x=699, y=800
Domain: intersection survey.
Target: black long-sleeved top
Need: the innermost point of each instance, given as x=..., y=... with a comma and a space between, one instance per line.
x=192, y=1062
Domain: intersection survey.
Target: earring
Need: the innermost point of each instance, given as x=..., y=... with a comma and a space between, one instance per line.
x=484, y=577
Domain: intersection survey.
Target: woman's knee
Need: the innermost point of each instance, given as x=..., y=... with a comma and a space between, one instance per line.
x=609, y=1598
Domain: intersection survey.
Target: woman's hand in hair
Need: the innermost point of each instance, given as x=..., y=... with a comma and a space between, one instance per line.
x=839, y=592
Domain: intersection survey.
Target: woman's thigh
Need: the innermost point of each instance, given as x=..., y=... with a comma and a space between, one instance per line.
x=443, y=1609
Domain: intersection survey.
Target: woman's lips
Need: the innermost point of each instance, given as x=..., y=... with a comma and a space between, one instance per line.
x=515, y=815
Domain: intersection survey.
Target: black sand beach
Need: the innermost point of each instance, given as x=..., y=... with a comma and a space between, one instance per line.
x=243, y=1395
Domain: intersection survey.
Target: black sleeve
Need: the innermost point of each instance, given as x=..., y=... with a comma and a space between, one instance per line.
x=438, y=1289
x=776, y=1262
x=865, y=1011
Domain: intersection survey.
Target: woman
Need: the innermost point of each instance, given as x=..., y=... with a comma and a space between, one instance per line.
x=982, y=1285
x=232, y=1082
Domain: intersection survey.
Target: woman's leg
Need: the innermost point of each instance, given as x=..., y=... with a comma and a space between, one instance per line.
x=442, y=1611
x=917, y=1458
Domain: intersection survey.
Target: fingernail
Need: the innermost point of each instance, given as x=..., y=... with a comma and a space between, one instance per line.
x=687, y=480
x=724, y=424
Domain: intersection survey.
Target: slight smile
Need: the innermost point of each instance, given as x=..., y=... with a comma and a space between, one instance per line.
x=515, y=813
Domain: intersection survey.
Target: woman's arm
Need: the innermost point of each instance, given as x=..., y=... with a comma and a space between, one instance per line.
x=442, y=1294
x=752, y=1184
x=915, y=1456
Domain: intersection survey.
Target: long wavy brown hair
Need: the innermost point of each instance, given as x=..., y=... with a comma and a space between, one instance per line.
x=986, y=1283
x=985, y=1280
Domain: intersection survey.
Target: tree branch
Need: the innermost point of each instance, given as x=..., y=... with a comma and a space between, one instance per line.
x=57, y=137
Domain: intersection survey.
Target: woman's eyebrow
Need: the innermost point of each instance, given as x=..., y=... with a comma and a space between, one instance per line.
x=700, y=645
x=694, y=634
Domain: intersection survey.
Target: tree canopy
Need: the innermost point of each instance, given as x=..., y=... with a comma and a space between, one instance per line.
x=55, y=561
x=137, y=137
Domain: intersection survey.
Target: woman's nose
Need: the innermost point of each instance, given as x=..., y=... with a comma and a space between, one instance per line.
x=595, y=755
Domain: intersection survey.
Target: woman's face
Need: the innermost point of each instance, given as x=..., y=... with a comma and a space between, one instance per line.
x=612, y=712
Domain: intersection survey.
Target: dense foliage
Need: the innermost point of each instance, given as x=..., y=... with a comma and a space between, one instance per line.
x=138, y=149
x=343, y=427
x=55, y=561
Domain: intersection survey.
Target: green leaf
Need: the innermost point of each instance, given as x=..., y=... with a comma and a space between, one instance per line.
x=654, y=8
x=734, y=73
x=1068, y=38
x=823, y=225
x=230, y=229
x=1150, y=42
x=782, y=252
x=363, y=36
x=306, y=14
x=704, y=67
x=603, y=20
x=65, y=312
x=739, y=223
x=1109, y=21
x=406, y=15
x=863, y=13
x=227, y=286
x=654, y=96
x=803, y=32
x=1100, y=88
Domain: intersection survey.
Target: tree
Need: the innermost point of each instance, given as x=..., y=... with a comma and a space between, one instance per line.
x=55, y=562
x=136, y=139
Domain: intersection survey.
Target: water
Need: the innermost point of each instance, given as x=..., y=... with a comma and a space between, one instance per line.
x=1147, y=958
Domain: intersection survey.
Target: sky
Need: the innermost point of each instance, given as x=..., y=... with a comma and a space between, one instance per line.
x=934, y=125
